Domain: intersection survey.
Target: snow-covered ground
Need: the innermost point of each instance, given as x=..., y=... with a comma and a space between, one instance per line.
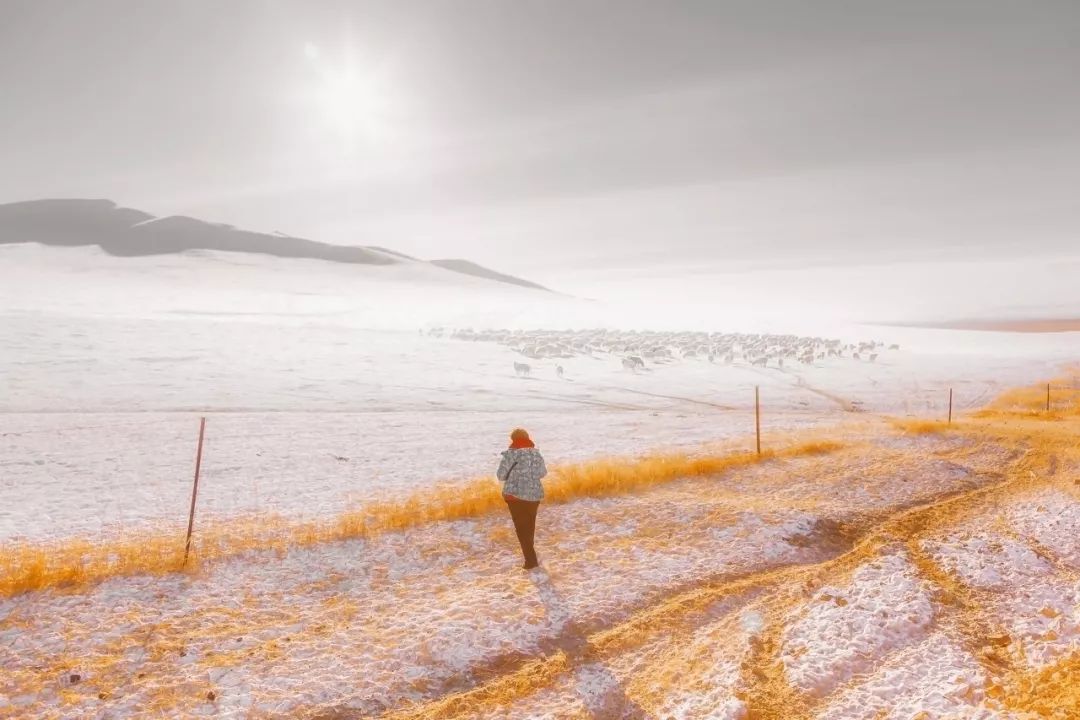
x=935, y=676
x=321, y=392
x=884, y=608
x=365, y=626
x=1023, y=566
x=703, y=598
x=306, y=421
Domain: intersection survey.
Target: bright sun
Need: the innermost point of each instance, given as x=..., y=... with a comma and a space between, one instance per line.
x=350, y=102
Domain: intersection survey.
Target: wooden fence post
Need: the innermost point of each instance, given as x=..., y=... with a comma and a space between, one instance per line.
x=950, y=406
x=757, y=418
x=194, y=489
x=1047, y=397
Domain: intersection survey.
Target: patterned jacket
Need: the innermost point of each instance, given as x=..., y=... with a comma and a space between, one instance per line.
x=520, y=472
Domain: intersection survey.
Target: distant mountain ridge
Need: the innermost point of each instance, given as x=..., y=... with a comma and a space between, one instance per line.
x=126, y=232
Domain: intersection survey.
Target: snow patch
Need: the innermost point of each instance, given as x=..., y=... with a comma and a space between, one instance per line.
x=934, y=679
x=988, y=560
x=845, y=631
x=1053, y=521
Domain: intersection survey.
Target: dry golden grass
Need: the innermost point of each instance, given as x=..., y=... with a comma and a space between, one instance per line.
x=1031, y=401
x=919, y=427
x=1051, y=692
x=501, y=691
x=603, y=478
x=76, y=563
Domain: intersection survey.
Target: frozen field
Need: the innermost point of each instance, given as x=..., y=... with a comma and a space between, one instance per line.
x=897, y=576
x=99, y=416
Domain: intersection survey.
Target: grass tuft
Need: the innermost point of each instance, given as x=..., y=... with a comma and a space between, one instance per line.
x=919, y=427
x=75, y=563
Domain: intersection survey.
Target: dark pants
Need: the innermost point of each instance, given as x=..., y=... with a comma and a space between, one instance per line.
x=524, y=514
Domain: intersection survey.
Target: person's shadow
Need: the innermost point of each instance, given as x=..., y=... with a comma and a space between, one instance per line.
x=595, y=684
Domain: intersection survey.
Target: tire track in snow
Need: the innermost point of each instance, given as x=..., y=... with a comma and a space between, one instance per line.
x=801, y=383
x=692, y=401
x=845, y=404
x=541, y=396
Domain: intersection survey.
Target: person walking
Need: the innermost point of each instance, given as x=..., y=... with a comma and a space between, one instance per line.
x=520, y=471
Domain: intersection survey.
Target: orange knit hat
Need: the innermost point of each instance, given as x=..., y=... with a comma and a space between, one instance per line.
x=519, y=438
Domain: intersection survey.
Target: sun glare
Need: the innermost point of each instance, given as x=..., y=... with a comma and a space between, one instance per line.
x=349, y=99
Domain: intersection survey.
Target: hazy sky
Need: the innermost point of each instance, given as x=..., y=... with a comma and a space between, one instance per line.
x=542, y=136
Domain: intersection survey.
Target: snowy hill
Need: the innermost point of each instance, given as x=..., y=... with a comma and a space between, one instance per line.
x=37, y=280
x=471, y=268
x=125, y=232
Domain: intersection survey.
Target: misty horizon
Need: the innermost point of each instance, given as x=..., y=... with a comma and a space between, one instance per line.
x=546, y=140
